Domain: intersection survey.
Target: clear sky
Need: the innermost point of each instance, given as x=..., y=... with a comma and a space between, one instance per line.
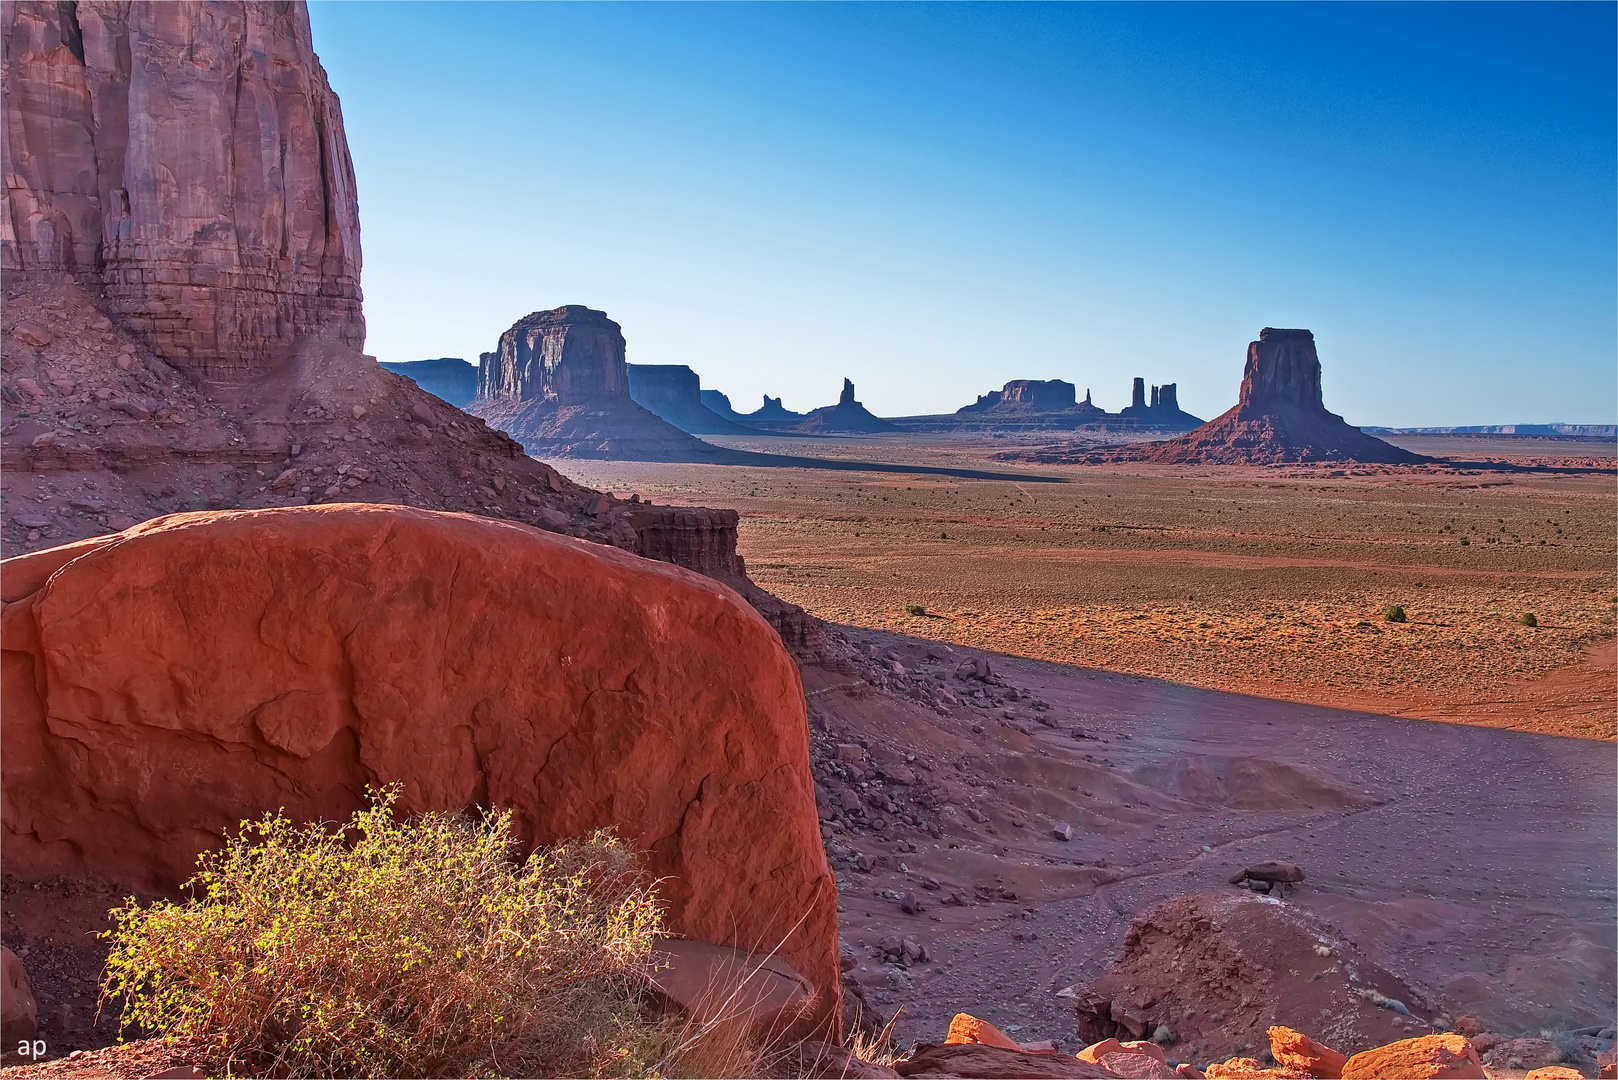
x=932, y=199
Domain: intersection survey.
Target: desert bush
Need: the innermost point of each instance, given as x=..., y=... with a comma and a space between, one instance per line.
x=391, y=947
x=915, y=609
x=1528, y=618
x=1394, y=613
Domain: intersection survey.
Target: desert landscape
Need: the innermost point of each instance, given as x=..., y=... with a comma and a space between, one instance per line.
x=557, y=715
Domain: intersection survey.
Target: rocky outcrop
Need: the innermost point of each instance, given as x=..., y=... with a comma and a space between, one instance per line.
x=1162, y=412
x=1281, y=417
x=772, y=409
x=847, y=415
x=558, y=383
x=281, y=662
x=1217, y=968
x=673, y=392
x=188, y=160
x=448, y=377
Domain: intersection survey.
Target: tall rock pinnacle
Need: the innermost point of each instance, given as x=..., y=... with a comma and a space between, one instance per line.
x=1282, y=369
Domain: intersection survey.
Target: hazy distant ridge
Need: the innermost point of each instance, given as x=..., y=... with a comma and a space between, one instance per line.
x=1595, y=431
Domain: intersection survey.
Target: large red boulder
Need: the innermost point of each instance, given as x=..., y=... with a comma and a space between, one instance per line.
x=162, y=684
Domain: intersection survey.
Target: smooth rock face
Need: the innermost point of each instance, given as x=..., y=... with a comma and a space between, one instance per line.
x=281, y=662
x=1428, y=1058
x=189, y=158
x=449, y=378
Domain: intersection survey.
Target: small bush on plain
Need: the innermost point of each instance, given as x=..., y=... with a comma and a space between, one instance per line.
x=915, y=609
x=1528, y=618
x=391, y=948
x=1394, y=613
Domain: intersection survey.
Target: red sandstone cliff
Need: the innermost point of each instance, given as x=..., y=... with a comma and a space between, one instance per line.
x=182, y=321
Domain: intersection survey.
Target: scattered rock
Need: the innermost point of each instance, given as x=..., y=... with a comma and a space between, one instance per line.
x=1431, y=1057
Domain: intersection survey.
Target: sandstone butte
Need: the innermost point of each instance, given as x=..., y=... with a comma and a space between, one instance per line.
x=558, y=383
x=1280, y=416
x=288, y=658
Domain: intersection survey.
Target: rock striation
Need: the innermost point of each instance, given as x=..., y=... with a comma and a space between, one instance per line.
x=448, y=377
x=187, y=160
x=1280, y=418
x=673, y=392
x=559, y=384
x=847, y=415
x=281, y=662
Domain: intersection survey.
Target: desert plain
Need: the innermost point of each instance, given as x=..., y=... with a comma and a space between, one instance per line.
x=1214, y=681
x=1269, y=581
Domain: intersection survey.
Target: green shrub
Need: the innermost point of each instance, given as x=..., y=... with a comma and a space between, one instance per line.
x=1528, y=618
x=390, y=947
x=1394, y=613
x=915, y=609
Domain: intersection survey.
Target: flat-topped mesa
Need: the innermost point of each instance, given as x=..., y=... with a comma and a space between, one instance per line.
x=212, y=204
x=558, y=384
x=674, y=392
x=572, y=355
x=1027, y=395
x=1282, y=368
x=449, y=377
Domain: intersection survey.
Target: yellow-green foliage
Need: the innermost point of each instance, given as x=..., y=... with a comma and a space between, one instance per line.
x=391, y=947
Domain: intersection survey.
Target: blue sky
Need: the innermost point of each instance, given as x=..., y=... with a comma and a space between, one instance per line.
x=934, y=199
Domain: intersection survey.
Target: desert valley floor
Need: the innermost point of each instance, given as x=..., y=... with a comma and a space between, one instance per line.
x=1218, y=637
x=1267, y=581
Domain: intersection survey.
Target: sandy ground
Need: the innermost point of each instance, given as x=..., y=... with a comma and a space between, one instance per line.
x=1266, y=581
x=1474, y=864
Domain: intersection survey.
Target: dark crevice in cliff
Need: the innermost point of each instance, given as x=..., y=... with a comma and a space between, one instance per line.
x=73, y=37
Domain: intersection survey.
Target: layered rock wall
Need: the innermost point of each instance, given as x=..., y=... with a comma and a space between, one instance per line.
x=674, y=393
x=189, y=159
x=572, y=355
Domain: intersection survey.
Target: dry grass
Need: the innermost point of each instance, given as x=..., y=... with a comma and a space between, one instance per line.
x=390, y=947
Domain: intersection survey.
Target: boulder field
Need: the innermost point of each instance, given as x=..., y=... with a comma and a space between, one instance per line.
x=164, y=683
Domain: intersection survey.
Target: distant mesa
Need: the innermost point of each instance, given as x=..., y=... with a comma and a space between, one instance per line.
x=1027, y=398
x=1560, y=431
x=719, y=403
x=558, y=384
x=448, y=378
x=774, y=410
x=771, y=412
x=1164, y=410
x=674, y=392
x=1280, y=419
x=847, y=415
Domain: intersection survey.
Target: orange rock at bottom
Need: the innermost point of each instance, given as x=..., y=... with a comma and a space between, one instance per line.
x=1096, y=1051
x=1295, y=1050
x=1430, y=1057
x=1553, y=1072
x=1240, y=1068
x=966, y=1028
